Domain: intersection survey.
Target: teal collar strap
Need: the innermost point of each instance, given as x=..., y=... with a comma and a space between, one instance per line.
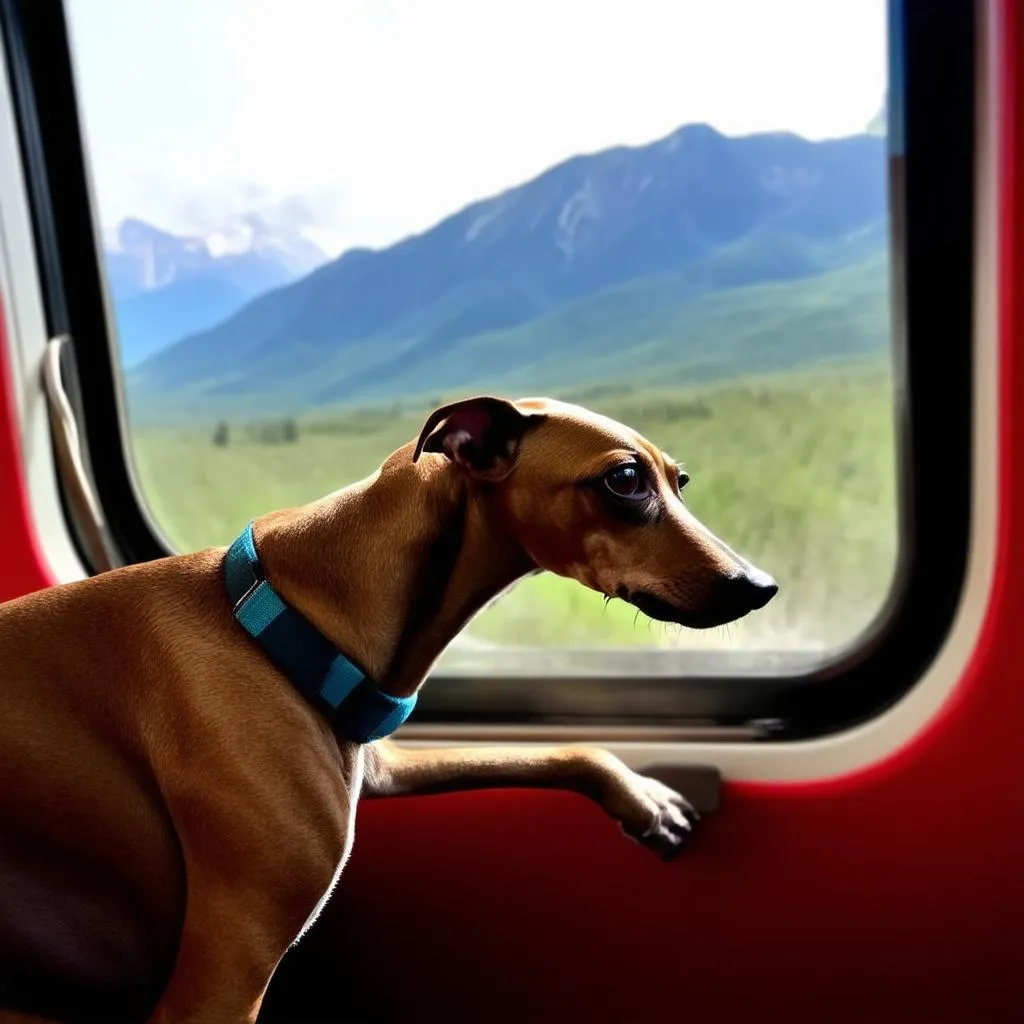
x=329, y=680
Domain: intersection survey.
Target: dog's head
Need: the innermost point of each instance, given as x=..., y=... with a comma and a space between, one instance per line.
x=590, y=499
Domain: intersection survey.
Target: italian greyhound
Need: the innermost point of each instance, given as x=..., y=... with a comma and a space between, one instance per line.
x=185, y=740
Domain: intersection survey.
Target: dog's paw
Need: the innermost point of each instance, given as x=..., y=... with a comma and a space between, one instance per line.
x=654, y=815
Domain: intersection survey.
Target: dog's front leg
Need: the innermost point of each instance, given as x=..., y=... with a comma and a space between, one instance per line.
x=254, y=881
x=647, y=810
x=228, y=953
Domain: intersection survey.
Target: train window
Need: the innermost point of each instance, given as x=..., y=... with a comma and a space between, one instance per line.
x=350, y=235
x=318, y=222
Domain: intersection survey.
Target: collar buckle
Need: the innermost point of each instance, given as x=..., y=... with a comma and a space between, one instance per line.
x=247, y=593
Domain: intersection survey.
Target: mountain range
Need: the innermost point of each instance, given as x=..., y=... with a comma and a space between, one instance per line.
x=699, y=254
x=165, y=286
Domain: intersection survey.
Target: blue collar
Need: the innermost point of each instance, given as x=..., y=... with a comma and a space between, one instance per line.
x=329, y=680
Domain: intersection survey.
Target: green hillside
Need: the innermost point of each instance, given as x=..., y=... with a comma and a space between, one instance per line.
x=636, y=333
x=666, y=329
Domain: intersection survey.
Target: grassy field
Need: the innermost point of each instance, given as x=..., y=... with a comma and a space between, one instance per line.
x=797, y=471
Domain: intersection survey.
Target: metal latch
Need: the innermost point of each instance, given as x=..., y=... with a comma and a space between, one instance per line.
x=78, y=486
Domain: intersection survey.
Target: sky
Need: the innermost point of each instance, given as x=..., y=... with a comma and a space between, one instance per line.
x=358, y=122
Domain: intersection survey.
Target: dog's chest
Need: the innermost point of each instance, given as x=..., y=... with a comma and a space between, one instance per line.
x=355, y=785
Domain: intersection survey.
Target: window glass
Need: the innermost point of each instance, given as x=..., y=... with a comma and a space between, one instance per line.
x=320, y=220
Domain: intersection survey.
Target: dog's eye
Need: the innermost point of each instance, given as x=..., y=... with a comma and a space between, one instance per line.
x=684, y=479
x=626, y=482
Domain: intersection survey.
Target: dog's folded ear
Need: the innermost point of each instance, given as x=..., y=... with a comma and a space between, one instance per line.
x=481, y=435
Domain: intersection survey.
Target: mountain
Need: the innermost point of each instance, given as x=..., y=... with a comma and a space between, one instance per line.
x=646, y=230
x=165, y=287
x=879, y=124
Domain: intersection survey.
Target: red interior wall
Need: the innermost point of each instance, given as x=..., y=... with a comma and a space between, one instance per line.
x=22, y=568
x=895, y=894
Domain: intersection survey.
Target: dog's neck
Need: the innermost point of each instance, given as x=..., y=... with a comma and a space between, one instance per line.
x=392, y=568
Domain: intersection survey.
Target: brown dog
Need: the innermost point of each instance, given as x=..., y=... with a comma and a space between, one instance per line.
x=174, y=813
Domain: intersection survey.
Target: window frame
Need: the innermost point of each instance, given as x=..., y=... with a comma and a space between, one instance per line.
x=810, y=698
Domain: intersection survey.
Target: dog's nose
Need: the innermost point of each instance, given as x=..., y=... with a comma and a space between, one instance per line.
x=746, y=592
x=758, y=588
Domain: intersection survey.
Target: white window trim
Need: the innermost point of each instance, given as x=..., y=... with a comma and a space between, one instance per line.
x=850, y=751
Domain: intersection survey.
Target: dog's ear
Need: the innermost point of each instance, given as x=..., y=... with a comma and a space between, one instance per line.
x=481, y=435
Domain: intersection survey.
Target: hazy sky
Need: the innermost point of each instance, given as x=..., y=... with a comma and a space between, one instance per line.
x=363, y=120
